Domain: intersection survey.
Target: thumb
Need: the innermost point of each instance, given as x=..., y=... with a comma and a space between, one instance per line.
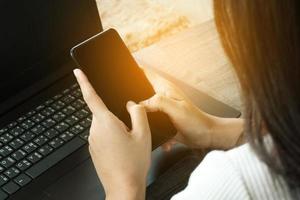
x=139, y=118
x=160, y=103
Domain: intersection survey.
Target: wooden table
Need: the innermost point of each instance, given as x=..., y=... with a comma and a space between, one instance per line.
x=196, y=57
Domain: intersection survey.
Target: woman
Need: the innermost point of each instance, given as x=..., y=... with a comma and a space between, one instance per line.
x=262, y=40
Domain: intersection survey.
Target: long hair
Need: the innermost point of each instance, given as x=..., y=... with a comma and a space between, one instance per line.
x=262, y=41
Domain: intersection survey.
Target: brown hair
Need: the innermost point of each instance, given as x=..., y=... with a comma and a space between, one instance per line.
x=262, y=41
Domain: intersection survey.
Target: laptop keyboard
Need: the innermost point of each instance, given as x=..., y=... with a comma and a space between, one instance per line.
x=41, y=138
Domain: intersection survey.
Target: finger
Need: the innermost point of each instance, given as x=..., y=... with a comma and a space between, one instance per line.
x=163, y=86
x=90, y=96
x=169, y=144
x=159, y=84
x=173, y=141
x=160, y=103
x=179, y=138
x=139, y=118
x=166, y=147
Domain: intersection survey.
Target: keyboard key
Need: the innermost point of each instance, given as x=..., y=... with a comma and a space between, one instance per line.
x=87, y=108
x=30, y=147
x=27, y=136
x=5, y=138
x=16, y=131
x=55, y=143
x=68, y=99
x=11, y=187
x=77, y=129
x=40, y=140
x=61, y=127
x=21, y=119
x=51, y=133
x=77, y=93
x=7, y=162
x=74, y=86
x=58, y=105
x=58, y=96
x=3, y=130
x=71, y=120
x=45, y=150
x=90, y=117
x=3, y=179
x=48, y=111
x=86, y=123
x=16, y=143
x=22, y=180
x=40, y=107
x=55, y=157
x=85, y=135
x=81, y=114
x=12, y=172
x=66, y=91
x=6, y=150
x=48, y=123
x=12, y=124
x=27, y=124
x=58, y=116
x=66, y=136
x=18, y=155
x=48, y=102
x=78, y=104
x=34, y=157
x=30, y=113
x=1, y=169
x=23, y=165
x=68, y=110
x=38, y=129
x=38, y=118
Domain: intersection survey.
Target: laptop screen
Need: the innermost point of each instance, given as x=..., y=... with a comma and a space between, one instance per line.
x=36, y=36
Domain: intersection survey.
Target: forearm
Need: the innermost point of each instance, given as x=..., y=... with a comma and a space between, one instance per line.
x=227, y=133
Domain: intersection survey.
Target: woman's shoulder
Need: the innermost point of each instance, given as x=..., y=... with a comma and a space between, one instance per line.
x=234, y=174
x=214, y=178
x=261, y=182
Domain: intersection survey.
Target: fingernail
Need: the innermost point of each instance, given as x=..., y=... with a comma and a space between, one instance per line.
x=130, y=103
x=76, y=72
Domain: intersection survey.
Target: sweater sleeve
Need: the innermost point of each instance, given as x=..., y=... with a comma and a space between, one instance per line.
x=215, y=178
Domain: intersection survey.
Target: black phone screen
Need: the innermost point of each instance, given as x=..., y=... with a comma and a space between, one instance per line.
x=118, y=79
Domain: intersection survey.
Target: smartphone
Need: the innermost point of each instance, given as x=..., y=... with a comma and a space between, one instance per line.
x=117, y=79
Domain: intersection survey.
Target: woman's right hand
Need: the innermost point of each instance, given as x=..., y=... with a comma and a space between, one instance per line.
x=193, y=125
x=196, y=128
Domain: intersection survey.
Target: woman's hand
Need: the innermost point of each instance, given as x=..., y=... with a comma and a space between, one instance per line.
x=121, y=156
x=193, y=125
x=195, y=128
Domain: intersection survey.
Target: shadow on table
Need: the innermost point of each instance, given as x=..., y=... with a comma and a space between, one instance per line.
x=170, y=171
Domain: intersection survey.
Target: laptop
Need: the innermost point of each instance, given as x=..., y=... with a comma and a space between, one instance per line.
x=44, y=122
x=44, y=119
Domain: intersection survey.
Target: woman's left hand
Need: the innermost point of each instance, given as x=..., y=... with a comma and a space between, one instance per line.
x=121, y=157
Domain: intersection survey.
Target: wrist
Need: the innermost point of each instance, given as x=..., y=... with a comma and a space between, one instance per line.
x=126, y=194
x=226, y=133
x=126, y=190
